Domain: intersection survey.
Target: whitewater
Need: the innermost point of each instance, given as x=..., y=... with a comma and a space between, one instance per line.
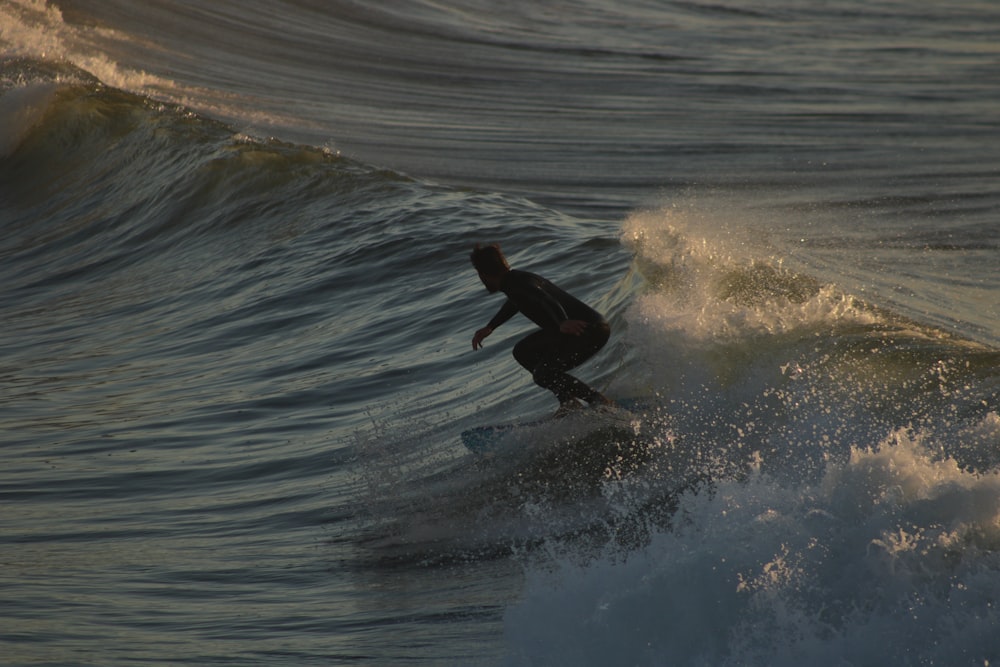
x=237, y=308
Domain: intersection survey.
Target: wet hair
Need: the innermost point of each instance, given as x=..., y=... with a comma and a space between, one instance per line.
x=489, y=259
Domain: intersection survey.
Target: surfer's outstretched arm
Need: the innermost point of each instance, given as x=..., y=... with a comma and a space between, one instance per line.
x=507, y=311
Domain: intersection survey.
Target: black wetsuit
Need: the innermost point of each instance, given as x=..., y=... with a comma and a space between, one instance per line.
x=548, y=354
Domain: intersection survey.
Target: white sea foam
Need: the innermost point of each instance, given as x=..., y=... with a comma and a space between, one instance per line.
x=715, y=287
x=890, y=558
x=36, y=29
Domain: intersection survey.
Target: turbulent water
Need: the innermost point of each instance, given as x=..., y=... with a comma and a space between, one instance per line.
x=237, y=308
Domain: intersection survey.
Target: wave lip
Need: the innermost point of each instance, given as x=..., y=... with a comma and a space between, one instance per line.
x=34, y=29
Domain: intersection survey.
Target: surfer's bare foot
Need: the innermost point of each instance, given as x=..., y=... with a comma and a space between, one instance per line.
x=603, y=404
x=567, y=407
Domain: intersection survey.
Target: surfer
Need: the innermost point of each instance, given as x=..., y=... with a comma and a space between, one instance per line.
x=571, y=331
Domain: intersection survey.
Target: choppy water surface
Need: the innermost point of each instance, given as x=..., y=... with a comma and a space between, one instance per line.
x=237, y=306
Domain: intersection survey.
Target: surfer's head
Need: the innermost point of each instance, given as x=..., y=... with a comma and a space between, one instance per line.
x=491, y=265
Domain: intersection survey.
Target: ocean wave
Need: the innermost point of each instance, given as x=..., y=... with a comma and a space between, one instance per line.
x=236, y=367
x=894, y=542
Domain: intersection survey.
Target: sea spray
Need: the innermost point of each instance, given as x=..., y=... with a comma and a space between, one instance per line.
x=890, y=558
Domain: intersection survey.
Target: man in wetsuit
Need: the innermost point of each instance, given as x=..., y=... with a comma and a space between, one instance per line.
x=571, y=331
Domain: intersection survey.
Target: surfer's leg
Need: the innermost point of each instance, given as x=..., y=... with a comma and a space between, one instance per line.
x=533, y=349
x=566, y=387
x=575, y=351
x=536, y=352
x=548, y=356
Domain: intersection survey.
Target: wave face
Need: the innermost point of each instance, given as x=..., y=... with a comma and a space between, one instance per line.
x=237, y=306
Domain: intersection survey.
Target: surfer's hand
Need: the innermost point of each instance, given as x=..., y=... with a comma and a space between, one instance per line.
x=573, y=327
x=477, y=339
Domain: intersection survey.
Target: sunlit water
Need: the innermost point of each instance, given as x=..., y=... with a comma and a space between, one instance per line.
x=237, y=307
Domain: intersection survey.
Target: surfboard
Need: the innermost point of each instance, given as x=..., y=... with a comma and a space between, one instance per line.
x=490, y=439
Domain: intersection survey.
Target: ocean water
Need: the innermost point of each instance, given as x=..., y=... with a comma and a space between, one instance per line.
x=237, y=309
